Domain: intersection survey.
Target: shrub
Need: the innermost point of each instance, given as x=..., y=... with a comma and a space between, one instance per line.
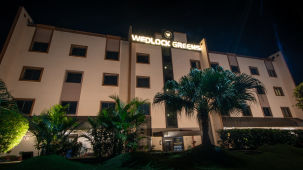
x=254, y=138
x=13, y=126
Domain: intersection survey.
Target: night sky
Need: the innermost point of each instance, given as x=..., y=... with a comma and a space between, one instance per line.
x=254, y=28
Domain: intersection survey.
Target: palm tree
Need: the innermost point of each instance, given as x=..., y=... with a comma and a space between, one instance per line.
x=210, y=90
x=114, y=130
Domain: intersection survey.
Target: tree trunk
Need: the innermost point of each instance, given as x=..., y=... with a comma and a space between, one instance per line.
x=205, y=129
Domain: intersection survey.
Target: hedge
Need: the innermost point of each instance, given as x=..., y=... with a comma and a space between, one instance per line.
x=13, y=126
x=254, y=138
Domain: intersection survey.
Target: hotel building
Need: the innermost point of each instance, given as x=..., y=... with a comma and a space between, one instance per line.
x=45, y=65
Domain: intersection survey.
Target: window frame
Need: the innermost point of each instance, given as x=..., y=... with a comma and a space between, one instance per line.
x=71, y=114
x=33, y=68
x=144, y=54
x=271, y=115
x=137, y=77
x=192, y=60
x=252, y=67
x=73, y=71
x=78, y=46
x=49, y=43
x=232, y=69
x=103, y=101
x=218, y=65
x=27, y=99
x=149, y=108
x=288, y=110
x=280, y=91
x=251, y=115
x=110, y=74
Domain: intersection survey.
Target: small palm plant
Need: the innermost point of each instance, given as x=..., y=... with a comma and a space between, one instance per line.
x=206, y=91
x=114, y=130
x=52, y=129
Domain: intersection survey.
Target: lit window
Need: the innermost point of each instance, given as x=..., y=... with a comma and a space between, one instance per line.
x=72, y=106
x=267, y=111
x=235, y=69
x=73, y=77
x=143, y=82
x=278, y=91
x=254, y=70
x=286, y=112
x=110, y=79
x=31, y=74
x=195, y=64
x=25, y=106
x=78, y=50
x=143, y=58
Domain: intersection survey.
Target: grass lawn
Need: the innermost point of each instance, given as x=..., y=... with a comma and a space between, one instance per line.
x=267, y=157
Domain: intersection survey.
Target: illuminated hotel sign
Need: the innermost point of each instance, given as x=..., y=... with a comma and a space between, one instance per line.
x=165, y=43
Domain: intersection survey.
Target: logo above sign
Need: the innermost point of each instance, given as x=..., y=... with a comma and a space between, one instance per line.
x=168, y=34
x=164, y=42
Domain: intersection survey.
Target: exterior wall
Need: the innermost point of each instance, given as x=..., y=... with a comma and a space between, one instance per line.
x=283, y=79
x=181, y=67
x=191, y=141
x=157, y=143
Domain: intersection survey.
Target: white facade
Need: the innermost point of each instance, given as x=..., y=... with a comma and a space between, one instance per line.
x=49, y=90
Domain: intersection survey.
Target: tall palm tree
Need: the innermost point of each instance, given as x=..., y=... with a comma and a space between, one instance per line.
x=210, y=90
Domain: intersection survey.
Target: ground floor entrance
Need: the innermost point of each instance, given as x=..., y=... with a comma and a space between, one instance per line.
x=173, y=144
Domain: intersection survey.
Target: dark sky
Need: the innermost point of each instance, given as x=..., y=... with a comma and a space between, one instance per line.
x=255, y=28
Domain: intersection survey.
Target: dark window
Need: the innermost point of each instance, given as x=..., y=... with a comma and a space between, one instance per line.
x=111, y=55
x=272, y=73
x=31, y=73
x=286, y=112
x=145, y=108
x=247, y=111
x=278, y=91
x=110, y=79
x=25, y=105
x=254, y=70
x=171, y=118
x=143, y=82
x=214, y=65
x=195, y=64
x=78, y=50
x=107, y=105
x=72, y=106
x=235, y=69
x=260, y=90
x=267, y=111
x=73, y=77
x=143, y=58
x=40, y=46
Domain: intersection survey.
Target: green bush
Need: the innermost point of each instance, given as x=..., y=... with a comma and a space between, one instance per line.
x=254, y=138
x=13, y=126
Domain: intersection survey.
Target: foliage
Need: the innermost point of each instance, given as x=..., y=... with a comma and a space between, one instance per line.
x=13, y=126
x=254, y=138
x=6, y=99
x=298, y=93
x=52, y=129
x=115, y=130
x=210, y=90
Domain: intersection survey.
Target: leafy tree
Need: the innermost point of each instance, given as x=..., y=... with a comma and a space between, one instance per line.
x=13, y=126
x=52, y=129
x=298, y=93
x=210, y=90
x=114, y=130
